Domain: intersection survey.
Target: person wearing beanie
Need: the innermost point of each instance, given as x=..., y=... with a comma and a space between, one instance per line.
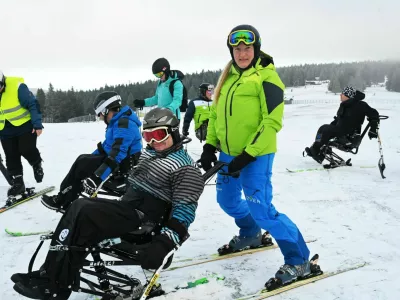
x=245, y=118
x=349, y=119
x=170, y=91
x=20, y=126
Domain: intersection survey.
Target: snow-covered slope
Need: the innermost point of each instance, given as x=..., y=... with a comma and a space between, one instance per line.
x=352, y=212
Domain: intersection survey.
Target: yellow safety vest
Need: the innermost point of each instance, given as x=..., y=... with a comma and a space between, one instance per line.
x=10, y=108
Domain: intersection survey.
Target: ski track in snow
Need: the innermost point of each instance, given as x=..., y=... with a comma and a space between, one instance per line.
x=352, y=212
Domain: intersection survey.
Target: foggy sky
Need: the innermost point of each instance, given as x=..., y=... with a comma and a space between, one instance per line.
x=88, y=43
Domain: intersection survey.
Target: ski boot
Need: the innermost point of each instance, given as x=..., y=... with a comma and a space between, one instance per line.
x=241, y=243
x=41, y=288
x=53, y=202
x=288, y=274
x=18, y=186
x=17, y=189
x=26, y=277
x=318, y=156
x=38, y=172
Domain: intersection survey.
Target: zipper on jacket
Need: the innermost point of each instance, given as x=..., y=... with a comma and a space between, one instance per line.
x=230, y=114
x=257, y=135
x=226, y=118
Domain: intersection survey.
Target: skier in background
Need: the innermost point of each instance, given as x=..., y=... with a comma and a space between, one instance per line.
x=20, y=126
x=199, y=111
x=349, y=119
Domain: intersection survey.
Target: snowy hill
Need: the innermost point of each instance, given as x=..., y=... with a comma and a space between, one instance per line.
x=352, y=212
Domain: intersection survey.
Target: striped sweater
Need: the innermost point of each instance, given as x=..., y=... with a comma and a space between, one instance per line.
x=174, y=179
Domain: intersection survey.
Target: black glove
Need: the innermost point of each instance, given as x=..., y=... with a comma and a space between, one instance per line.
x=185, y=128
x=138, y=103
x=373, y=133
x=91, y=184
x=208, y=156
x=153, y=256
x=239, y=162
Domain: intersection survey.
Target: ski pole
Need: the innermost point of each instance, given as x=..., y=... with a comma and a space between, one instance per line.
x=381, y=163
x=157, y=274
x=3, y=170
x=100, y=186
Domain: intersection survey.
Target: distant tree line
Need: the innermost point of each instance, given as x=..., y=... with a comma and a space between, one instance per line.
x=63, y=105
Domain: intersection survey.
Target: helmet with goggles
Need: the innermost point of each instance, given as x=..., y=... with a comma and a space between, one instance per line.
x=106, y=101
x=160, y=123
x=204, y=87
x=246, y=34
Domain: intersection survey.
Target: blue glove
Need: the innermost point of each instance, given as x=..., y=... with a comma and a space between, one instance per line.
x=91, y=184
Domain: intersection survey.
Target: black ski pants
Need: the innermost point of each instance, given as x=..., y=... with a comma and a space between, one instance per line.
x=89, y=221
x=15, y=147
x=325, y=133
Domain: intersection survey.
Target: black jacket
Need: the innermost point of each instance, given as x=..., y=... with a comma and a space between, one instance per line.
x=351, y=114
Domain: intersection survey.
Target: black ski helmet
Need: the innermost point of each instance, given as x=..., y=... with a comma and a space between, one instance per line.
x=257, y=44
x=160, y=116
x=161, y=65
x=2, y=79
x=106, y=101
x=204, y=87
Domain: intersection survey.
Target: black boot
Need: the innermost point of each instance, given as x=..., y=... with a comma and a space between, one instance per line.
x=38, y=171
x=18, y=186
x=317, y=155
x=53, y=202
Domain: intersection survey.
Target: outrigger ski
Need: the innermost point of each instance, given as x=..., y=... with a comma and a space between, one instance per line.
x=29, y=194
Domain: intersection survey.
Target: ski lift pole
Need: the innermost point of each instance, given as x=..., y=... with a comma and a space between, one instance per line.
x=381, y=163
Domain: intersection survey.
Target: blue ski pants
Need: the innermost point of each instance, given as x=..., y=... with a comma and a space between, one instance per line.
x=256, y=211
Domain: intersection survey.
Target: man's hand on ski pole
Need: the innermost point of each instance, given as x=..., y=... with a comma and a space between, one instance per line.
x=91, y=184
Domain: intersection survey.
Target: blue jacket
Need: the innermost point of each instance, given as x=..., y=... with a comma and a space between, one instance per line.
x=163, y=97
x=123, y=139
x=28, y=101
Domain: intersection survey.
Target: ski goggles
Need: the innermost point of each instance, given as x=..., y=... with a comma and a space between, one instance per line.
x=157, y=134
x=210, y=88
x=159, y=74
x=246, y=36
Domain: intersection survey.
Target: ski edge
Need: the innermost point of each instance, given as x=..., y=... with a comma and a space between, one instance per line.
x=321, y=169
x=263, y=294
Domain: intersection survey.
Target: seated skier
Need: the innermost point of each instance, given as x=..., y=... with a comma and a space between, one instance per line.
x=349, y=119
x=165, y=178
x=199, y=111
x=119, y=152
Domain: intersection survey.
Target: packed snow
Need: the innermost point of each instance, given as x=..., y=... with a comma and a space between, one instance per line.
x=352, y=212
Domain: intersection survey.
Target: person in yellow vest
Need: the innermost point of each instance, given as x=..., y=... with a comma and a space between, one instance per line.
x=199, y=111
x=20, y=125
